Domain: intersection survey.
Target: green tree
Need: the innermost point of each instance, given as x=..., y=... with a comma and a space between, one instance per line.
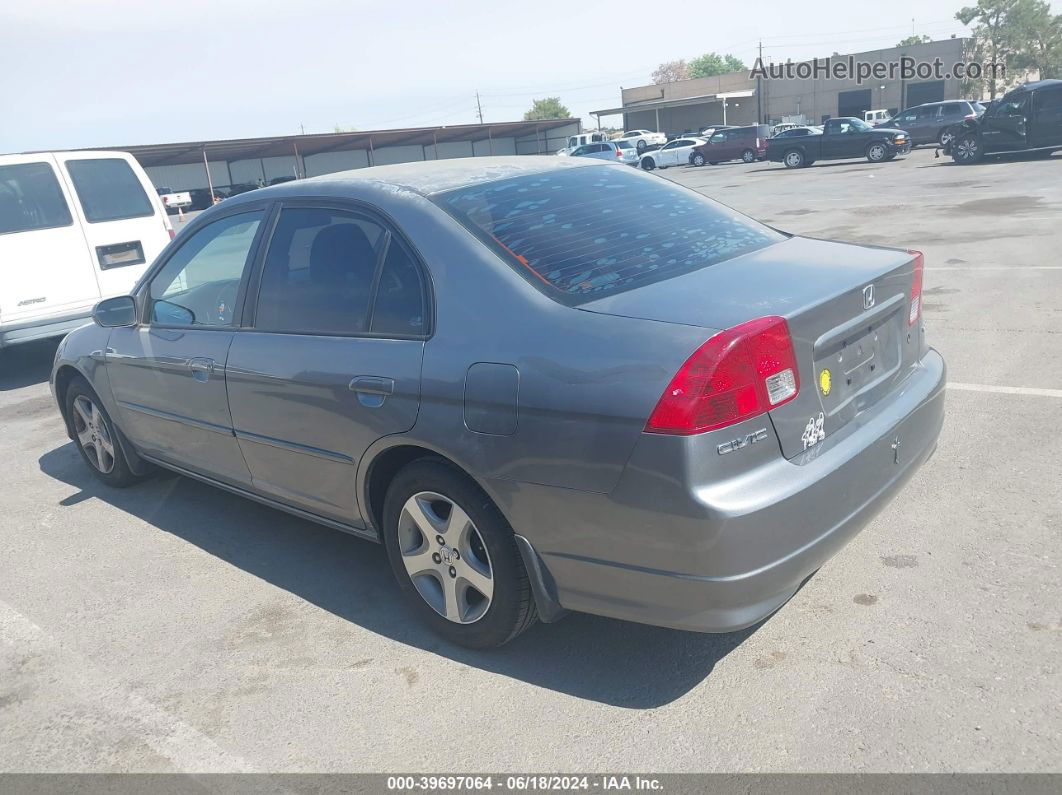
x=991, y=32
x=671, y=71
x=923, y=39
x=548, y=108
x=712, y=63
x=1036, y=38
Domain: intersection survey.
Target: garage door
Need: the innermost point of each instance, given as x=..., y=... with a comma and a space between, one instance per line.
x=921, y=93
x=853, y=103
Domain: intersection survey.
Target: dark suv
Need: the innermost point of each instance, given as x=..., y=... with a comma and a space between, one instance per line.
x=1027, y=119
x=929, y=123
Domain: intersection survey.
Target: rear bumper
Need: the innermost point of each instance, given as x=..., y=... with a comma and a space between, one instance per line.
x=43, y=328
x=721, y=555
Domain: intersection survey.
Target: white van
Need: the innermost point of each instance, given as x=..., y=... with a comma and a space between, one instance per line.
x=75, y=227
x=581, y=140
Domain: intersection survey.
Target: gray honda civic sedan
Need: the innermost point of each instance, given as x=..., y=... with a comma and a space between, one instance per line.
x=544, y=384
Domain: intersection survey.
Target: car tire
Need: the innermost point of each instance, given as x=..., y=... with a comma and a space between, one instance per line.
x=648, y=164
x=877, y=152
x=697, y=159
x=966, y=150
x=446, y=583
x=96, y=436
x=945, y=136
x=748, y=156
x=794, y=158
x=640, y=146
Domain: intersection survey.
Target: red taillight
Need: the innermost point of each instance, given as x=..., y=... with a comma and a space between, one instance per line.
x=172, y=233
x=916, y=288
x=619, y=153
x=737, y=374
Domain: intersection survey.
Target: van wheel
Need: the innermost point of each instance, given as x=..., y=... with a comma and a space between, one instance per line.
x=95, y=436
x=640, y=146
x=648, y=164
x=877, y=153
x=455, y=556
x=697, y=159
x=794, y=158
x=748, y=156
x=946, y=137
x=966, y=150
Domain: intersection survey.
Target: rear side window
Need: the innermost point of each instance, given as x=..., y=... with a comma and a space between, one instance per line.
x=108, y=189
x=583, y=233
x=30, y=198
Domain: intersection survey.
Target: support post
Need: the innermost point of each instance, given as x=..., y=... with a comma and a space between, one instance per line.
x=210, y=182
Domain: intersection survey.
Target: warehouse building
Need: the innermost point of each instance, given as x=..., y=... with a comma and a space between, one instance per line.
x=249, y=162
x=735, y=98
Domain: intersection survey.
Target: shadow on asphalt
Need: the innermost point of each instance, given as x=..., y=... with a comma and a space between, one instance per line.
x=26, y=365
x=613, y=662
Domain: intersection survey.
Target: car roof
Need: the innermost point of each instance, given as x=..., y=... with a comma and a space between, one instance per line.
x=1033, y=86
x=429, y=177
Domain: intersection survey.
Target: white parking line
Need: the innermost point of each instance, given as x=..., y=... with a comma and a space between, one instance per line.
x=187, y=749
x=1006, y=390
x=998, y=268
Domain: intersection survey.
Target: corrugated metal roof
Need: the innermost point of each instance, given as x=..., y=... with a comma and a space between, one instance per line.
x=247, y=148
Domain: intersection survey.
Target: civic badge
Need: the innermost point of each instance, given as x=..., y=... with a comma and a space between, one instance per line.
x=825, y=382
x=868, y=296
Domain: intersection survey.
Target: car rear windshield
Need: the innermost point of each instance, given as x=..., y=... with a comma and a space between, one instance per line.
x=582, y=233
x=30, y=198
x=108, y=189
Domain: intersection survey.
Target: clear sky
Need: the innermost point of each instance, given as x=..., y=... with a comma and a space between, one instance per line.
x=119, y=72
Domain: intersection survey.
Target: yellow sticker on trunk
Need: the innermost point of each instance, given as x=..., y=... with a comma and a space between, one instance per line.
x=825, y=382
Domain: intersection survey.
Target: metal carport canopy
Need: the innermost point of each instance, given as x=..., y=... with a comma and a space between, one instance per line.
x=661, y=104
x=306, y=145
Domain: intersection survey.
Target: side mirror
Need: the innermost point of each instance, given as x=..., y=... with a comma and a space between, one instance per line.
x=115, y=312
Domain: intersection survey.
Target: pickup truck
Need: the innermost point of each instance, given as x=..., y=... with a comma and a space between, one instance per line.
x=174, y=200
x=840, y=139
x=1027, y=119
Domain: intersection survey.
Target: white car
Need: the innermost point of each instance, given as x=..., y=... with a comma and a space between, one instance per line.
x=643, y=139
x=75, y=227
x=673, y=153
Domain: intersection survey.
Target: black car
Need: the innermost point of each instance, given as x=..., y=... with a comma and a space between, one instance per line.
x=932, y=122
x=841, y=138
x=1027, y=119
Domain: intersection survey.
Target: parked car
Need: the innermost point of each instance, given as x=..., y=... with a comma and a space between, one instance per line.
x=876, y=117
x=611, y=151
x=737, y=143
x=841, y=138
x=931, y=123
x=1027, y=119
x=673, y=153
x=75, y=227
x=174, y=201
x=780, y=128
x=537, y=392
x=643, y=139
x=796, y=132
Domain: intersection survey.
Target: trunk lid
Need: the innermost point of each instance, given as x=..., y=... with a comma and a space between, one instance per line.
x=847, y=309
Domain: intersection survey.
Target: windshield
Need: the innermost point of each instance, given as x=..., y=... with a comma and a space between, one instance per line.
x=581, y=233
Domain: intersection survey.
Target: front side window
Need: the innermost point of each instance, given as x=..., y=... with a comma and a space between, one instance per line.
x=30, y=198
x=319, y=271
x=583, y=233
x=199, y=284
x=108, y=189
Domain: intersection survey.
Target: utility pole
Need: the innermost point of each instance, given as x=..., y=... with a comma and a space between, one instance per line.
x=759, y=89
x=302, y=130
x=479, y=108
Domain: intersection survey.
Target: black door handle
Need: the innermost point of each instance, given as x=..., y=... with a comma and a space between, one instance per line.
x=372, y=385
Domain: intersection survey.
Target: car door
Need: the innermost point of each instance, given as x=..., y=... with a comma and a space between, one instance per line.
x=1047, y=117
x=580, y=151
x=664, y=156
x=45, y=262
x=1004, y=126
x=332, y=360
x=123, y=219
x=837, y=139
x=168, y=373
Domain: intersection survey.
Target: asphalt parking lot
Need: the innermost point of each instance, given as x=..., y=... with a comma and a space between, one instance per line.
x=172, y=626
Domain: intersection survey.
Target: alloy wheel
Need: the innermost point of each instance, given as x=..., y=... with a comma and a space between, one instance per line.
x=93, y=434
x=876, y=153
x=966, y=149
x=748, y=156
x=794, y=159
x=445, y=557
